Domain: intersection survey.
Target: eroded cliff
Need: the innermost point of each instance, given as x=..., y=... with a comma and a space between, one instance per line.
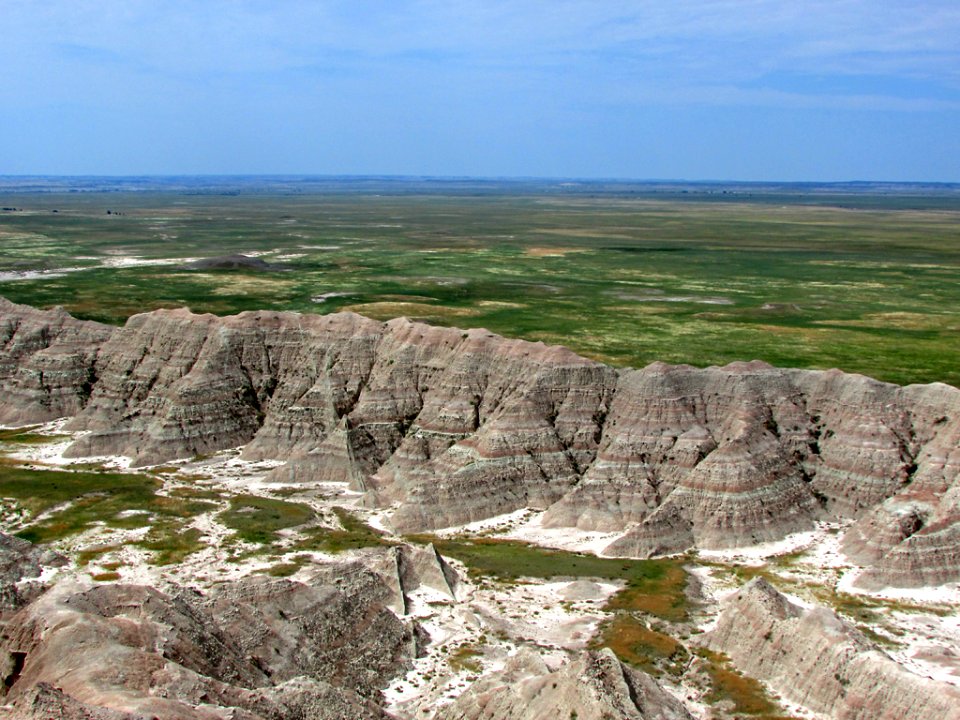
x=448, y=426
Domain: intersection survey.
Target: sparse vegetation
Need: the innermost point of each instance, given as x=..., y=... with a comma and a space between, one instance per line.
x=637, y=644
x=282, y=570
x=355, y=534
x=170, y=543
x=85, y=557
x=465, y=658
x=257, y=519
x=109, y=576
x=74, y=501
x=27, y=436
x=653, y=586
x=747, y=696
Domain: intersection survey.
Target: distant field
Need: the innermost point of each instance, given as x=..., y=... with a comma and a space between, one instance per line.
x=868, y=284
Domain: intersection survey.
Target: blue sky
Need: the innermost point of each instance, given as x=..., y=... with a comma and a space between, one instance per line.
x=687, y=89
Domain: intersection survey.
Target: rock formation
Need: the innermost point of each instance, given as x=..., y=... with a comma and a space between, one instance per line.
x=261, y=649
x=46, y=363
x=593, y=687
x=21, y=564
x=450, y=427
x=816, y=659
x=408, y=568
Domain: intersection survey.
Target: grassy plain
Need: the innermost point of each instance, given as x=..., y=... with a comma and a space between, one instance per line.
x=866, y=283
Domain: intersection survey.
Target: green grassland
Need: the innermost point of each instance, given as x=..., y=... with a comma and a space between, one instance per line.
x=66, y=503
x=870, y=287
x=656, y=587
x=257, y=519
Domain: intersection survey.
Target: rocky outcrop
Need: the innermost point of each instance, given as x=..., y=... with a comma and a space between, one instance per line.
x=21, y=564
x=815, y=659
x=409, y=568
x=449, y=427
x=338, y=630
x=910, y=540
x=592, y=687
x=913, y=537
x=46, y=363
x=258, y=649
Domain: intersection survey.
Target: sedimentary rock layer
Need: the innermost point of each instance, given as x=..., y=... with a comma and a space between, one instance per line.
x=46, y=363
x=814, y=658
x=594, y=686
x=257, y=649
x=450, y=426
x=21, y=564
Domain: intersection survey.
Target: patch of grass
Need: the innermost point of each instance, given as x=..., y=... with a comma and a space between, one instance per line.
x=257, y=519
x=653, y=586
x=85, y=557
x=286, y=492
x=118, y=500
x=464, y=658
x=635, y=643
x=282, y=570
x=195, y=493
x=171, y=544
x=869, y=613
x=747, y=695
x=110, y=576
x=26, y=436
x=355, y=534
x=660, y=594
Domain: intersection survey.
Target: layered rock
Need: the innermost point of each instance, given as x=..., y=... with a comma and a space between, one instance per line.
x=21, y=564
x=594, y=686
x=255, y=650
x=908, y=541
x=409, y=568
x=449, y=427
x=814, y=658
x=46, y=363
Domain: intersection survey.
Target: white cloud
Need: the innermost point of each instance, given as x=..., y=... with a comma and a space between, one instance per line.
x=694, y=45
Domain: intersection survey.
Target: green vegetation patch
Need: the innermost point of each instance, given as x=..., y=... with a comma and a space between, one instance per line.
x=636, y=643
x=109, y=576
x=26, y=436
x=118, y=500
x=171, y=544
x=195, y=493
x=85, y=557
x=355, y=534
x=257, y=519
x=287, y=568
x=652, y=586
x=746, y=694
x=466, y=658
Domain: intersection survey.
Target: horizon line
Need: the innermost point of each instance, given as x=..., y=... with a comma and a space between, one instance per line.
x=461, y=178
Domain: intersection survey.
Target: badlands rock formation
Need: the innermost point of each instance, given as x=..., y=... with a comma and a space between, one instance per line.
x=596, y=686
x=449, y=427
x=814, y=658
x=21, y=565
x=257, y=649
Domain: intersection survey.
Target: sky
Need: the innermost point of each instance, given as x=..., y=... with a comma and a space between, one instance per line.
x=680, y=89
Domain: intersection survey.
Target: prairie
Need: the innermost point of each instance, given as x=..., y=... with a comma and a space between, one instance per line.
x=865, y=281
